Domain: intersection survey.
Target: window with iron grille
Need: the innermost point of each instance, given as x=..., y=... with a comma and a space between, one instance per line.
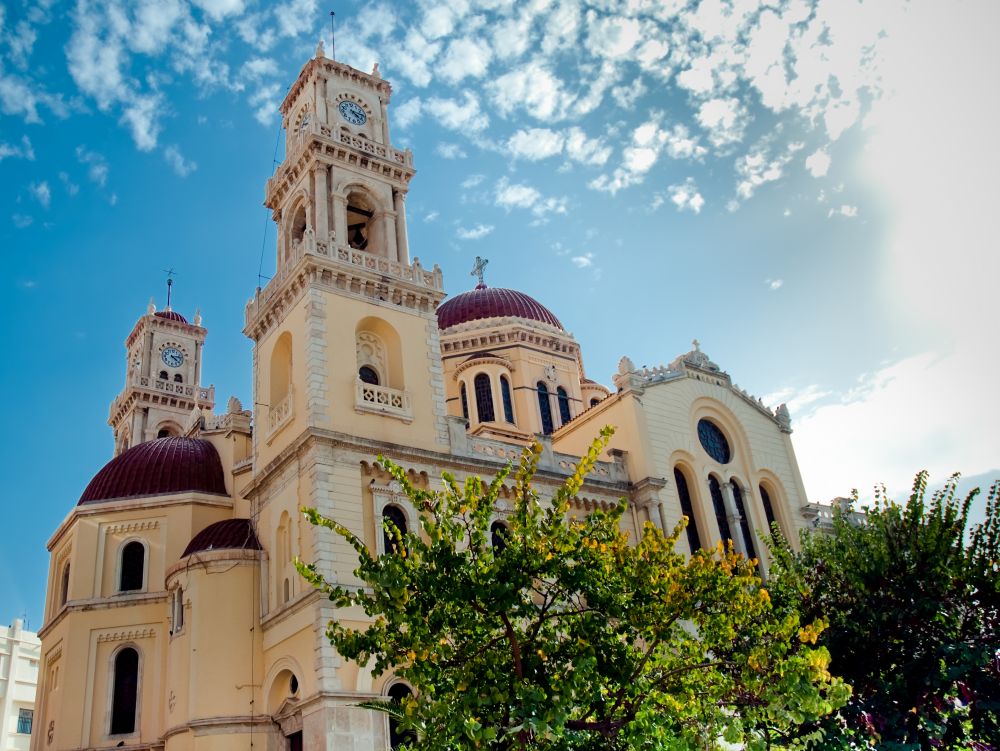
x=24, y=718
x=544, y=408
x=484, y=398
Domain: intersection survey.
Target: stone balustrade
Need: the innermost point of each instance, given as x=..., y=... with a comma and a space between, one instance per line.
x=279, y=414
x=383, y=400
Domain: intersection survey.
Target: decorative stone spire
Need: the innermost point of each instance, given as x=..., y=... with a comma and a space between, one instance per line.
x=320, y=53
x=151, y=308
x=197, y=317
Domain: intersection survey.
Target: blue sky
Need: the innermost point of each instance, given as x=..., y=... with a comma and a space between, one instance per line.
x=809, y=188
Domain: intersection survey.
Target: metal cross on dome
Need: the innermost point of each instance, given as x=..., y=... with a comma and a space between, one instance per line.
x=477, y=269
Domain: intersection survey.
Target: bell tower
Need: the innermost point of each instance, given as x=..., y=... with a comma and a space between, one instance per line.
x=163, y=355
x=345, y=334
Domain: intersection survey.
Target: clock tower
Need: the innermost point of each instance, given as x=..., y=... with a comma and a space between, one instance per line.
x=163, y=357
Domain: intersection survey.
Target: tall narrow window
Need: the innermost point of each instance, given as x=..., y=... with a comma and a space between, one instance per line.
x=508, y=404
x=395, y=515
x=465, y=402
x=720, y=508
x=744, y=520
x=178, y=610
x=544, y=408
x=125, y=692
x=563, y=405
x=398, y=692
x=484, y=398
x=765, y=499
x=64, y=586
x=687, y=508
x=133, y=564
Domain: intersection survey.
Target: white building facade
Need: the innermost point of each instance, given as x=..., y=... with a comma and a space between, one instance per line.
x=20, y=651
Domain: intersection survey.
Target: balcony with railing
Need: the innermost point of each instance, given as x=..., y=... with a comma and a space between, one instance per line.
x=279, y=415
x=383, y=400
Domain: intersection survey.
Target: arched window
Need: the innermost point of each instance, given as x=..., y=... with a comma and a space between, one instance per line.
x=544, y=408
x=465, y=402
x=719, y=506
x=687, y=508
x=162, y=433
x=563, y=398
x=484, y=398
x=361, y=225
x=499, y=534
x=297, y=229
x=164, y=376
x=178, y=378
x=64, y=585
x=508, y=403
x=125, y=692
x=744, y=520
x=133, y=565
x=398, y=692
x=765, y=499
x=368, y=375
x=286, y=591
x=281, y=376
x=594, y=401
x=395, y=515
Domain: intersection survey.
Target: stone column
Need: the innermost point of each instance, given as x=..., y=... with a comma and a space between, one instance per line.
x=734, y=518
x=340, y=220
x=321, y=197
x=402, y=241
x=385, y=126
x=388, y=222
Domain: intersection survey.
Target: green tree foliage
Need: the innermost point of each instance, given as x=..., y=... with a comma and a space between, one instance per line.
x=571, y=636
x=912, y=597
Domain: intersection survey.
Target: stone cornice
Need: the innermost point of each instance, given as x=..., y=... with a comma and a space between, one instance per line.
x=199, y=332
x=372, y=281
x=484, y=359
x=216, y=559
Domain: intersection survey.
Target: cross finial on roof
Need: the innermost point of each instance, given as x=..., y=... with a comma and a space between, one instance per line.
x=697, y=345
x=477, y=270
x=170, y=283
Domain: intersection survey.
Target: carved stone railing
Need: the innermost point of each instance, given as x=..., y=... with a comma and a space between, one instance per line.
x=280, y=414
x=383, y=400
x=204, y=396
x=351, y=258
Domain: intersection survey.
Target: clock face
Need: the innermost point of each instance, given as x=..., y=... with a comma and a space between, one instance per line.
x=172, y=357
x=352, y=113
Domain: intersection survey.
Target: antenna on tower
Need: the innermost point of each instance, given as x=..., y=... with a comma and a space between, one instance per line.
x=333, y=41
x=170, y=283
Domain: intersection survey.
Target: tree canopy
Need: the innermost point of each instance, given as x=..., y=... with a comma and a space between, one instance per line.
x=566, y=634
x=912, y=596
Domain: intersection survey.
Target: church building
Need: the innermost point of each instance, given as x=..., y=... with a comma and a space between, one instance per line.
x=174, y=618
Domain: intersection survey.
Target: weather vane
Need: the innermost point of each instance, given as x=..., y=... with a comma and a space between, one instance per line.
x=477, y=270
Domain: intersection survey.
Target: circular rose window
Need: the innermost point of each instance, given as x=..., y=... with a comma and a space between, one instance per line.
x=713, y=440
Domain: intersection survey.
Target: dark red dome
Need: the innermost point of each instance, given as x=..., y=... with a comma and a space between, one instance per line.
x=492, y=302
x=171, y=315
x=160, y=467
x=230, y=534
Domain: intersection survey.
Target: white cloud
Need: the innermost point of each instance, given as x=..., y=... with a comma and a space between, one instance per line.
x=844, y=210
x=535, y=143
x=219, y=9
x=23, y=151
x=818, y=163
x=265, y=101
x=97, y=166
x=774, y=284
x=458, y=115
x=71, y=187
x=472, y=181
x=724, y=119
x=178, y=163
x=532, y=88
x=758, y=167
x=649, y=140
x=686, y=197
x=584, y=261
x=41, y=193
x=407, y=113
x=22, y=221
x=465, y=58
x=520, y=196
x=891, y=425
x=585, y=150
x=474, y=233
x=141, y=115
x=450, y=150
x=431, y=216
x=296, y=17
